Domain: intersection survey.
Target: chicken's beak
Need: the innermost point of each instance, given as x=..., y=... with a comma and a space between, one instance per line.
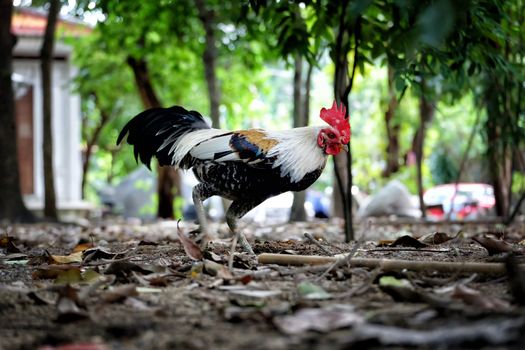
x=345, y=147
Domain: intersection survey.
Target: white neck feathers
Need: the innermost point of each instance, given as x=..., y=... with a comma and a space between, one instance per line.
x=297, y=151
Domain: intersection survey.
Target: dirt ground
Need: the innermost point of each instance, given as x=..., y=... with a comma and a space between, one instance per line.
x=129, y=286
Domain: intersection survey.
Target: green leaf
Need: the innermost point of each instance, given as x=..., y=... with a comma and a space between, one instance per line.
x=153, y=37
x=392, y=281
x=309, y=290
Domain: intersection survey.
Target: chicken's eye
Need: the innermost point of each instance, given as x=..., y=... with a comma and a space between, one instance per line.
x=331, y=135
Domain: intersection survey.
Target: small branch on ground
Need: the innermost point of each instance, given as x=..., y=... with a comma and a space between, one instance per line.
x=398, y=249
x=385, y=264
x=318, y=244
x=340, y=262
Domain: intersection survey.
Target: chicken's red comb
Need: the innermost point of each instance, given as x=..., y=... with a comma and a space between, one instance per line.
x=336, y=117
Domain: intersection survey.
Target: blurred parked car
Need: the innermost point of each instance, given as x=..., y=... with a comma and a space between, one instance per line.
x=470, y=201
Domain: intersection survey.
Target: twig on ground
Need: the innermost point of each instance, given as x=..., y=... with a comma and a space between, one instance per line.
x=340, y=262
x=362, y=288
x=400, y=249
x=385, y=264
x=318, y=244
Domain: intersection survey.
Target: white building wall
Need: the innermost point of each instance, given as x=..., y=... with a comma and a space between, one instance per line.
x=66, y=129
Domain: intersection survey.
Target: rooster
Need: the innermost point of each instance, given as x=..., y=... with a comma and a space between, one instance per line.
x=245, y=166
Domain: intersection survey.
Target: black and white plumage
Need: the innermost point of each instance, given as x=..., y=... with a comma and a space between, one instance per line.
x=245, y=166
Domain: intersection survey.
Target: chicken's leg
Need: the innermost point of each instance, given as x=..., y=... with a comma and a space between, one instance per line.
x=236, y=211
x=201, y=192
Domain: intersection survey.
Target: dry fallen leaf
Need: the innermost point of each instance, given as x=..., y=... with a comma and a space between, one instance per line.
x=320, y=320
x=493, y=245
x=385, y=242
x=473, y=297
x=68, y=307
x=191, y=248
x=144, y=242
x=7, y=242
x=408, y=241
x=401, y=290
x=215, y=269
x=82, y=246
x=66, y=259
x=69, y=276
x=14, y=257
x=69, y=312
x=120, y=293
x=51, y=271
x=99, y=253
x=436, y=238
x=125, y=269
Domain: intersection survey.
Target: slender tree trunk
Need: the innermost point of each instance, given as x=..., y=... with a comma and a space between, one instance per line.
x=462, y=163
x=91, y=142
x=297, y=212
x=209, y=58
x=343, y=83
x=168, y=181
x=500, y=160
x=499, y=153
x=516, y=210
x=46, y=54
x=340, y=207
x=144, y=85
x=12, y=206
x=111, y=173
x=501, y=171
x=426, y=114
x=392, y=129
x=308, y=88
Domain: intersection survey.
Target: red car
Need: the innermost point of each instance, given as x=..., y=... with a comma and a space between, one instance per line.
x=468, y=201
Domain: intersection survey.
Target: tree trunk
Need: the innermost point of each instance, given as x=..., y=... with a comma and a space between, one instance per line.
x=343, y=84
x=46, y=54
x=341, y=206
x=516, y=210
x=144, y=85
x=462, y=164
x=91, y=142
x=501, y=172
x=168, y=180
x=426, y=114
x=297, y=212
x=209, y=58
x=499, y=153
x=12, y=208
x=392, y=129
x=500, y=160
x=308, y=88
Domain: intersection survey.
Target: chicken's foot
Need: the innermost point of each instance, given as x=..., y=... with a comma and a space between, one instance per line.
x=236, y=211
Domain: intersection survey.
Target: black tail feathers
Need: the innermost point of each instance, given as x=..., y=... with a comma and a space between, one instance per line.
x=153, y=132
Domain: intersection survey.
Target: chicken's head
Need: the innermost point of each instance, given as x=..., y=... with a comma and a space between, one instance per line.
x=336, y=137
